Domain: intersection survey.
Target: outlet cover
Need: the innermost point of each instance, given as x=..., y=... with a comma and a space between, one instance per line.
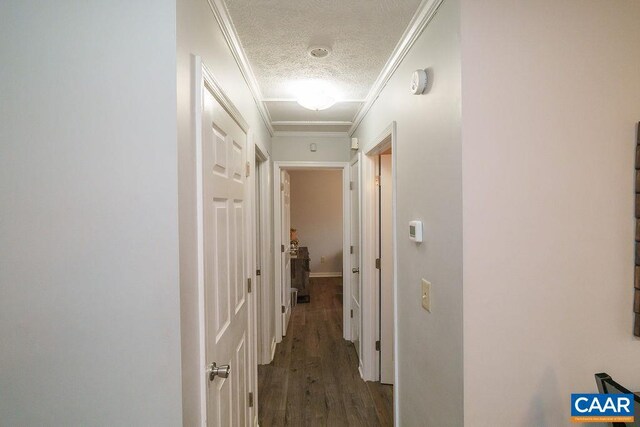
x=426, y=295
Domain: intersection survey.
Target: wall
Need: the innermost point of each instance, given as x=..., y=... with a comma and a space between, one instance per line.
x=330, y=148
x=551, y=98
x=429, y=188
x=316, y=212
x=89, y=298
x=198, y=33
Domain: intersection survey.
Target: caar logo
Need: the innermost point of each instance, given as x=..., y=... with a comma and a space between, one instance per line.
x=596, y=408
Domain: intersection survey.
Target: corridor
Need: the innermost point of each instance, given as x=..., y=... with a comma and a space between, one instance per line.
x=313, y=379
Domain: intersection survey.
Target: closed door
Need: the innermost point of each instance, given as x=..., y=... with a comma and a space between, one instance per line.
x=355, y=258
x=224, y=224
x=285, y=201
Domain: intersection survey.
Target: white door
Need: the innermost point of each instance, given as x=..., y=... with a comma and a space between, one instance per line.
x=355, y=258
x=224, y=224
x=386, y=271
x=285, y=201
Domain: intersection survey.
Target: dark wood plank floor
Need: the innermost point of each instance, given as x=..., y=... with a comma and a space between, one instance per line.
x=313, y=379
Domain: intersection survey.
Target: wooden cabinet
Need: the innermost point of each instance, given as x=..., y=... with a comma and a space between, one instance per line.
x=300, y=273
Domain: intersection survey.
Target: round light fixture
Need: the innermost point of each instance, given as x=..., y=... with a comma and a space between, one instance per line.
x=315, y=94
x=319, y=51
x=316, y=101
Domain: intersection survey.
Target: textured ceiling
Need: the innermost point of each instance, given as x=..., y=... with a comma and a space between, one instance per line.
x=276, y=36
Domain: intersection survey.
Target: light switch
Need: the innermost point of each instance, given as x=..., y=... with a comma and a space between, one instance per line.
x=426, y=295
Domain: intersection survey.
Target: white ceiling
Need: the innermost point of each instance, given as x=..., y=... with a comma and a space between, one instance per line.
x=277, y=34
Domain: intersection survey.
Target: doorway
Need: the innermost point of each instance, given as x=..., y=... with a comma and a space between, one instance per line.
x=282, y=242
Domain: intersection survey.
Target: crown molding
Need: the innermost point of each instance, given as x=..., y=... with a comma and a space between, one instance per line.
x=418, y=23
x=298, y=134
x=221, y=14
x=310, y=123
x=346, y=101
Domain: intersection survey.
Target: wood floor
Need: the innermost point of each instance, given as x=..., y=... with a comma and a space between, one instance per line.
x=313, y=379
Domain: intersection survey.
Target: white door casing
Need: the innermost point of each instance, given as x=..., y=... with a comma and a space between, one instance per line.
x=285, y=197
x=223, y=187
x=355, y=258
x=386, y=272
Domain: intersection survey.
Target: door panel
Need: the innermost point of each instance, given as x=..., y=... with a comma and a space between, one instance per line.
x=285, y=179
x=224, y=222
x=356, y=323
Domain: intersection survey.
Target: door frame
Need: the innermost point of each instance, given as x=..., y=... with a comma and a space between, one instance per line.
x=358, y=159
x=278, y=166
x=264, y=295
x=369, y=275
x=202, y=75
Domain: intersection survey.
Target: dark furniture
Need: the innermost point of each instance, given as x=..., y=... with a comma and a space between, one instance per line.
x=300, y=273
x=607, y=385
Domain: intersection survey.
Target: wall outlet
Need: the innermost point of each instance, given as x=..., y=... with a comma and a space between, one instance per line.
x=321, y=260
x=426, y=295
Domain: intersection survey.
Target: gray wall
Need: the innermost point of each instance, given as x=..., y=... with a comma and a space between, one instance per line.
x=429, y=175
x=551, y=99
x=198, y=33
x=330, y=148
x=316, y=212
x=89, y=298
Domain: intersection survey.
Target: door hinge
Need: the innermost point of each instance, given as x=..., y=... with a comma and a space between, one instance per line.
x=350, y=185
x=378, y=263
x=248, y=168
x=281, y=186
x=258, y=272
x=250, y=399
x=378, y=345
x=281, y=248
x=249, y=284
x=378, y=180
x=351, y=249
x=352, y=313
x=282, y=309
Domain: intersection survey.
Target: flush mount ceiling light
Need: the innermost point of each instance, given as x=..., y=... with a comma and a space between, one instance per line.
x=314, y=94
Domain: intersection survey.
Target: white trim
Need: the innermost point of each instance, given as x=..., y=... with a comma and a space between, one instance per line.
x=368, y=271
x=311, y=134
x=346, y=238
x=311, y=123
x=351, y=101
x=419, y=22
x=196, y=63
x=326, y=274
x=221, y=14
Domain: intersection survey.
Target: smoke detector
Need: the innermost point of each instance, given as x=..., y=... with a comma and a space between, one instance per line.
x=319, y=51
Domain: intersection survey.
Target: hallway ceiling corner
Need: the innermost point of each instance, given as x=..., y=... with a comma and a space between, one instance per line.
x=367, y=39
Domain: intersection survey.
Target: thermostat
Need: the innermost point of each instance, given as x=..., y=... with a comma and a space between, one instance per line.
x=415, y=231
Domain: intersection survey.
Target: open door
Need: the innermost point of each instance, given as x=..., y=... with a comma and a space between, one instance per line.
x=285, y=201
x=355, y=259
x=386, y=270
x=224, y=261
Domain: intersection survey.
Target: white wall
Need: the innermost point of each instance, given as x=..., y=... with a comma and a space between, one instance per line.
x=198, y=33
x=89, y=298
x=551, y=97
x=430, y=189
x=316, y=212
x=330, y=148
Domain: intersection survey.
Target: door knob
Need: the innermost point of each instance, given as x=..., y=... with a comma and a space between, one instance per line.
x=221, y=371
x=355, y=270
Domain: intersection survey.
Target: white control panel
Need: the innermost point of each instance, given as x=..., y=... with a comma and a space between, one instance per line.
x=415, y=231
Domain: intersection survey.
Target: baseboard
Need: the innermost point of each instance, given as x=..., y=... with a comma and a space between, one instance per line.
x=328, y=274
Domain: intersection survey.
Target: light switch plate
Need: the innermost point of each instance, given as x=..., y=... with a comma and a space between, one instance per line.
x=426, y=295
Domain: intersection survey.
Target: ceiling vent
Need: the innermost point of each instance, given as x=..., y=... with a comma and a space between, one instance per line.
x=319, y=52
